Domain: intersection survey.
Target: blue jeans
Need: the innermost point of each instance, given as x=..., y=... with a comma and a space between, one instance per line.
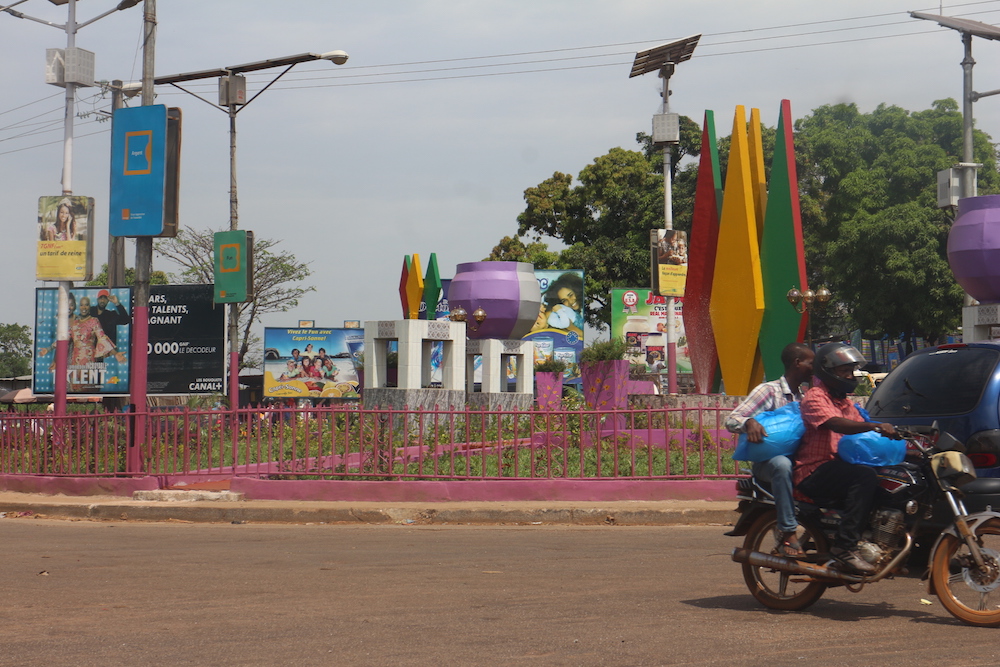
x=778, y=473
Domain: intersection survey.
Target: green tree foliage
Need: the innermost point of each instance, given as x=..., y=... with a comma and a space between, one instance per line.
x=867, y=184
x=15, y=350
x=277, y=278
x=873, y=232
x=155, y=277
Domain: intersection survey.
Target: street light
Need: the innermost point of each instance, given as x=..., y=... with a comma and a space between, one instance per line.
x=806, y=302
x=232, y=99
x=70, y=82
x=666, y=132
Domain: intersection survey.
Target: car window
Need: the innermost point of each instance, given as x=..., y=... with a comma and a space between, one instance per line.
x=944, y=382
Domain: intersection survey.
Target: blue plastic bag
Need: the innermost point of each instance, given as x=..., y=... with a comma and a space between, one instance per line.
x=871, y=448
x=784, y=428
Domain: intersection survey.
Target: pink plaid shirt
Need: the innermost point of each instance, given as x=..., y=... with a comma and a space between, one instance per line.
x=819, y=445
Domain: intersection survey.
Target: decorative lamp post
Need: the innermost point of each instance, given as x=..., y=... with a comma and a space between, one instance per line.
x=806, y=302
x=459, y=314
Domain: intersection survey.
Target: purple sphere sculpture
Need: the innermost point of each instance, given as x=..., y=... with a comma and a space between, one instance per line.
x=507, y=291
x=974, y=247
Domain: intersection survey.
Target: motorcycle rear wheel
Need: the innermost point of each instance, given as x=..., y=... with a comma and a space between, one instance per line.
x=970, y=595
x=782, y=590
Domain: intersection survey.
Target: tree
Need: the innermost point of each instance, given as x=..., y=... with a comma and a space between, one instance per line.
x=872, y=228
x=276, y=280
x=155, y=278
x=15, y=350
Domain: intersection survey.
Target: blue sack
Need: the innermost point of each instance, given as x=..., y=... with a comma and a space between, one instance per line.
x=784, y=428
x=871, y=448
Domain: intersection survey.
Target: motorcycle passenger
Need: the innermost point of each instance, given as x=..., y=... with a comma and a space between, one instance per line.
x=819, y=473
x=777, y=471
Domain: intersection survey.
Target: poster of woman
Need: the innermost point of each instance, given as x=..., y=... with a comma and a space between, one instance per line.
x=65, y=251
x=558, y=331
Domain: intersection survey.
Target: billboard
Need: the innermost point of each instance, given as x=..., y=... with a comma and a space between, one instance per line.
x=558, y=331
x=640, y=317
x=98, y=344
x=185, y=353
x=312, y=362
x=187, y=341
x=65, y=250
x=138, y=171
x=670, y=258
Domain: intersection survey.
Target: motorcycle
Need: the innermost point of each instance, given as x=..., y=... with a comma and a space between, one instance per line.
x=921, y=502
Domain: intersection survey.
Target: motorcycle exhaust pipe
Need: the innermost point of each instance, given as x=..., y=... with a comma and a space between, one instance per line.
x=759, y=559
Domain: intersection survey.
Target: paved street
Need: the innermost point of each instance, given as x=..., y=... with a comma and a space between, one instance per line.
x=93, y=593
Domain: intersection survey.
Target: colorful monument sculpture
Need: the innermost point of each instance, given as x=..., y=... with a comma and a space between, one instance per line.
x=782, y=254
x=702, y=245
x=506, y=298
x=737, y=304
x=746, y=252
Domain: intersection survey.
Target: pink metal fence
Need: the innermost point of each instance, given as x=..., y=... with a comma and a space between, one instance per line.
x=358, y=444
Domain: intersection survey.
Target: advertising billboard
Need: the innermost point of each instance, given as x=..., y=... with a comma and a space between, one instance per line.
x=65, y=250
x=186, y=349
x=558, y=331
x=670, y=258
x=640, y=317
x=312, y=363
x=99, y=336
x=187, y=341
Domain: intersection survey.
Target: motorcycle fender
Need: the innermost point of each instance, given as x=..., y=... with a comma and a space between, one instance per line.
x=973, y=520
x=749, y=511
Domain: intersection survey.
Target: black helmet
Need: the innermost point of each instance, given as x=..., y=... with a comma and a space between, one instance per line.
x=829, y=357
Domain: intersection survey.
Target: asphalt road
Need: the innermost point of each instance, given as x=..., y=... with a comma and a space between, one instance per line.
x=91, y=593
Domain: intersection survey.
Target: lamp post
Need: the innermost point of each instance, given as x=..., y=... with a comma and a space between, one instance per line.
x=70, y=28
x=806, y=302
x=459, y=314
x=232, y=100
x=666, y=133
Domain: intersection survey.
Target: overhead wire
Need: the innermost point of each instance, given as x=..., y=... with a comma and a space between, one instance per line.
x=295, y=81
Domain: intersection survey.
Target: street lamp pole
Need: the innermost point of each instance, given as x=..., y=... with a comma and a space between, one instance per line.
x=232, y=100
x=62, y=310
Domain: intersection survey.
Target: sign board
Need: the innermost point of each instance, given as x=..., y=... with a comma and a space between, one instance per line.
x=669, y=261
x=186, y=349
x=138, y=170
x=99, y=341
x=312, y=363
x=65, y=238
x=233, y=266
x=558, y=330
x=639, y=316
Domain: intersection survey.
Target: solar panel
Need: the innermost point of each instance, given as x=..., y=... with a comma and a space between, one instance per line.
x=654, y=59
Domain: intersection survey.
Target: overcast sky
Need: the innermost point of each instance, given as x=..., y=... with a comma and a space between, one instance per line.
x=447, y=110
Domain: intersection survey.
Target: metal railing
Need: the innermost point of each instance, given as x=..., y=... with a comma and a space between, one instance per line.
x=359, y=444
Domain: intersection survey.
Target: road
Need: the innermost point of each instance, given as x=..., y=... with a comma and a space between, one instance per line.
x=91, y=593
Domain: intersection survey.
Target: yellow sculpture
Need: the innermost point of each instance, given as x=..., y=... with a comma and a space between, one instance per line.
x=737, y=304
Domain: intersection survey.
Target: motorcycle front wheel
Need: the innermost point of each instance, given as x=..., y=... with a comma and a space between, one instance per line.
x=773, y=588
x=970, y=594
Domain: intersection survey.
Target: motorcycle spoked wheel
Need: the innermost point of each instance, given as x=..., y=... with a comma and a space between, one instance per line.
x=782, y=590
x=970, y=595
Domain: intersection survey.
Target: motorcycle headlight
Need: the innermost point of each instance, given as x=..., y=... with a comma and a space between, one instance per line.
x=953, y=467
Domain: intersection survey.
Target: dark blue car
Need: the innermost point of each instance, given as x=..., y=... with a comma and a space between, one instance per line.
x=956, y=385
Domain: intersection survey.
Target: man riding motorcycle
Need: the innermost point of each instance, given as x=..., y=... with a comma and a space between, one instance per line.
x=819, y=473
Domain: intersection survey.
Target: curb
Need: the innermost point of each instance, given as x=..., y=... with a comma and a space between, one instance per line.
x=248, y=512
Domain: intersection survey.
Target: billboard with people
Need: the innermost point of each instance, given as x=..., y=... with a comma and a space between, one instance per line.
x=313, y=363
x=558, y=331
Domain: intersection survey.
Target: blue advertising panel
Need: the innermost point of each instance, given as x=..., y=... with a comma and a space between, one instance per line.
x=138, y=171
x=99, y=341
x=558, y=331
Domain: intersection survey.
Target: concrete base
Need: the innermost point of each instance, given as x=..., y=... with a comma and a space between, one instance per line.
x=979, y=322
x=427, y=399
x=501, y=401
x=175, y=496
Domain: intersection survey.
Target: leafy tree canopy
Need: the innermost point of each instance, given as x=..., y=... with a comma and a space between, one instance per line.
x=867, y=187
x=277, y=278
x=15, y=350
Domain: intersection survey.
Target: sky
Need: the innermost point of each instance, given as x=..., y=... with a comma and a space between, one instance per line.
x=447, y=110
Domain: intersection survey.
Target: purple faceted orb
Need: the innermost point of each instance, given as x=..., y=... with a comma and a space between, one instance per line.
x=974, y=247
x=507, y=291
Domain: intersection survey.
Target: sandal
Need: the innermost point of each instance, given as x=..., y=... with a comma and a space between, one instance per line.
x=789, y=547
